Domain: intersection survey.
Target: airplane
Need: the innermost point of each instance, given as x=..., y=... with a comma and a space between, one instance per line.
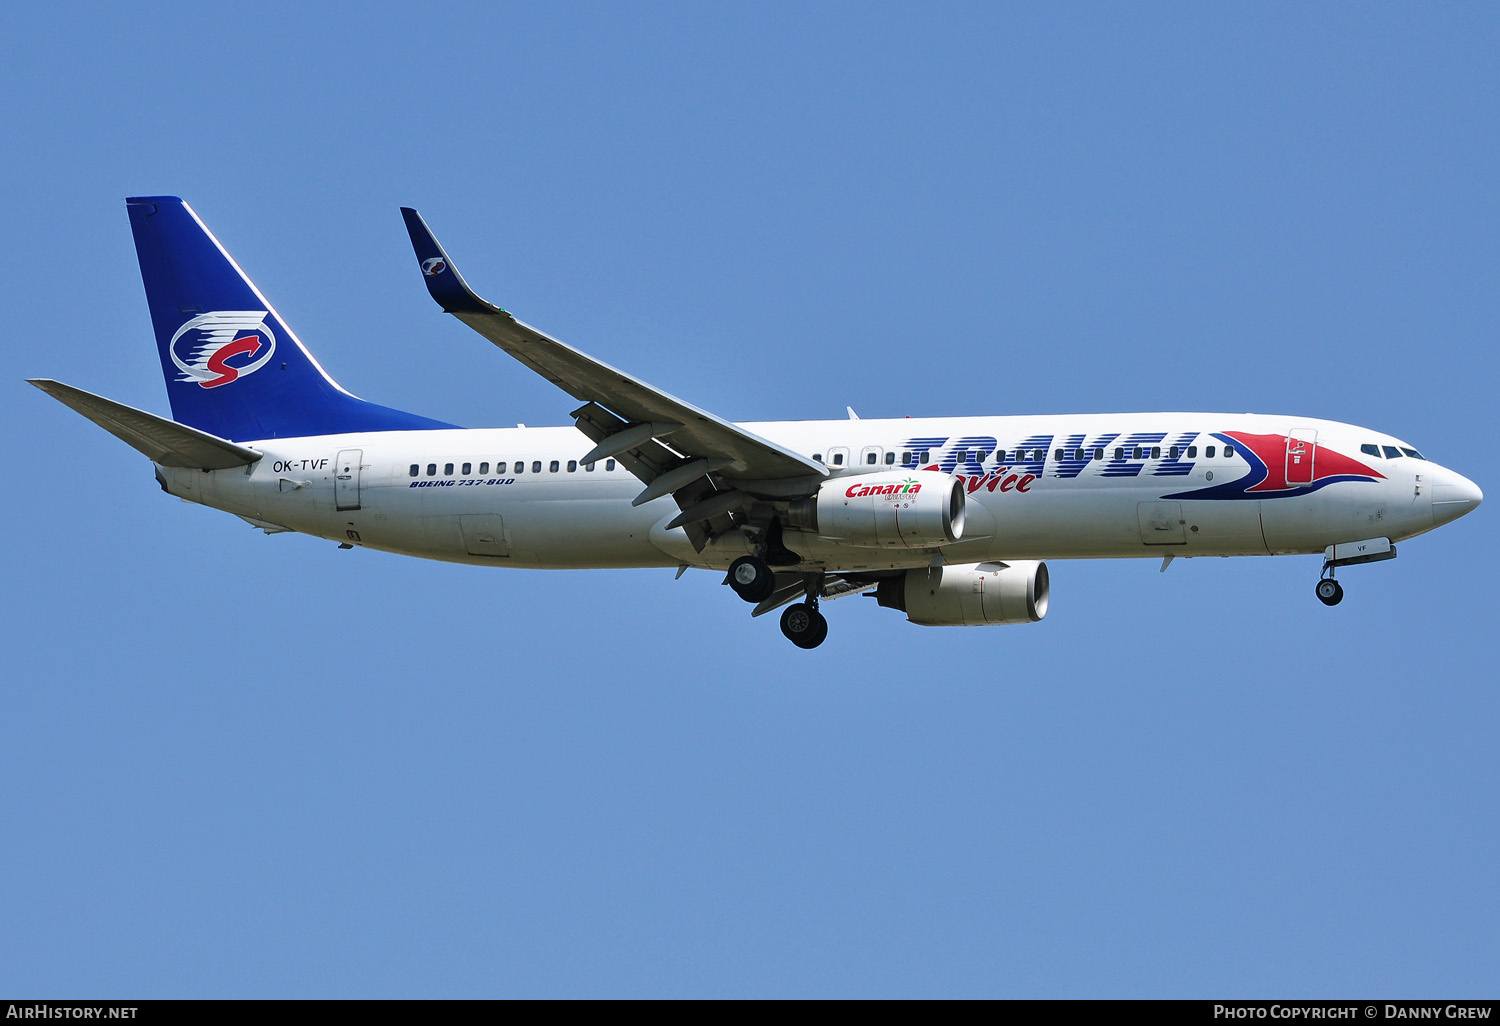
x=947, y=519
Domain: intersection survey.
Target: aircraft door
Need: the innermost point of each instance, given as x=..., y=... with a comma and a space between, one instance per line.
x=1301, y=449
x=1162, y=523
x=346, y=479
x=484, y=534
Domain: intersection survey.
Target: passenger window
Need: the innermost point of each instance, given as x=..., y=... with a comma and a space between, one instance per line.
x=1413, y=454
x=468, y=469
x=572, y=466
x=484, y=468
x=890, y=459
x=870, y=458
x=553, y=466
x=926, y=455
x=1135, y=453
x=1098, y=454
x=1370, y=449
x=499, y=468
x=1059, y=456
x=609, y=465
x=536, y=466
x=520, y=467
x=1156, y=452
x=818, y=457
x=838, y=459
x=1392, y=453
x=447, y=470
x=431, y=469
x=413, y=470
x=1119, y=453
x=962, y=456
x=1228, y=452
x=588, y=468
x=1173, y=453
x=1192, y=452
x=1208, y=453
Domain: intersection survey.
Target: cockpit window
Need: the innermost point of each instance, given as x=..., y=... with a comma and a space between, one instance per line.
x=1413, y=453
x=1392, y=453
x=1370, y=449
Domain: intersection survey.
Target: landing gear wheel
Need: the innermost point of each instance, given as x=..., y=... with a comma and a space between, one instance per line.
x=804, y=626
x=751, y=579
x=1330, y=592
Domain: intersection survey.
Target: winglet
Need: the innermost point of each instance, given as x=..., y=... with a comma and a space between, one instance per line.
x=444, y=282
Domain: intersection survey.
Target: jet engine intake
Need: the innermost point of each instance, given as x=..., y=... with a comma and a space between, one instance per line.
x=905, y=510
x=970, y=595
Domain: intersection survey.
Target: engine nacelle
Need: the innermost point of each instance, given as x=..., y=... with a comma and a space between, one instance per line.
x=905, y=510
x=970, y=595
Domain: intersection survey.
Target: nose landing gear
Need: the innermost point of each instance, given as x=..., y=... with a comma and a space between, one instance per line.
x=1330, y=592
x=1371, y=550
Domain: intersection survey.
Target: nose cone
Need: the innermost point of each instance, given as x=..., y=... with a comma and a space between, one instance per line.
x=1453, y=495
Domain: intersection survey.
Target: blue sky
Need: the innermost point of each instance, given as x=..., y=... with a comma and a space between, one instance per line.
x=245, y=766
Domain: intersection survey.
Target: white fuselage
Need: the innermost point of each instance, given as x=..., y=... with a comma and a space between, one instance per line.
x=1125, y=485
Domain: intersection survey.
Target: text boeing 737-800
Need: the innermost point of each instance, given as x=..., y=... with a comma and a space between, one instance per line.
x=946, y=519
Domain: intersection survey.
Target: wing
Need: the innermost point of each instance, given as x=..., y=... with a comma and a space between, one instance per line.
x=712, y=467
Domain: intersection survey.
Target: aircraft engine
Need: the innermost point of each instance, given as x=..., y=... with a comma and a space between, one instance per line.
x=905, y=510
x=970, y=594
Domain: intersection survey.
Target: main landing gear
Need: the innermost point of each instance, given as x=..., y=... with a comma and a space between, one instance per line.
x=754, y=581
x=803, y=625
x=751, y=578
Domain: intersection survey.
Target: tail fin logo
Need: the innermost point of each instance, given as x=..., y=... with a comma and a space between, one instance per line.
x=203, y=347
x=434, y=266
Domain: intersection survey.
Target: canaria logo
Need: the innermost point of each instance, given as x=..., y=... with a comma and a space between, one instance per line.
x=434, y=266
x=204, y=347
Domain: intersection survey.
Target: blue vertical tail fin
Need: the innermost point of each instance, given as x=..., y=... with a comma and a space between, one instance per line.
x=233, y=368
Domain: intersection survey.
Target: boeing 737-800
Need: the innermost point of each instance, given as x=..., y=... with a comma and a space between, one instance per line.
x=945, y=519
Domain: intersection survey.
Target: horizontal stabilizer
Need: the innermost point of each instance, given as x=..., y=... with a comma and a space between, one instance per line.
x=165, y=441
